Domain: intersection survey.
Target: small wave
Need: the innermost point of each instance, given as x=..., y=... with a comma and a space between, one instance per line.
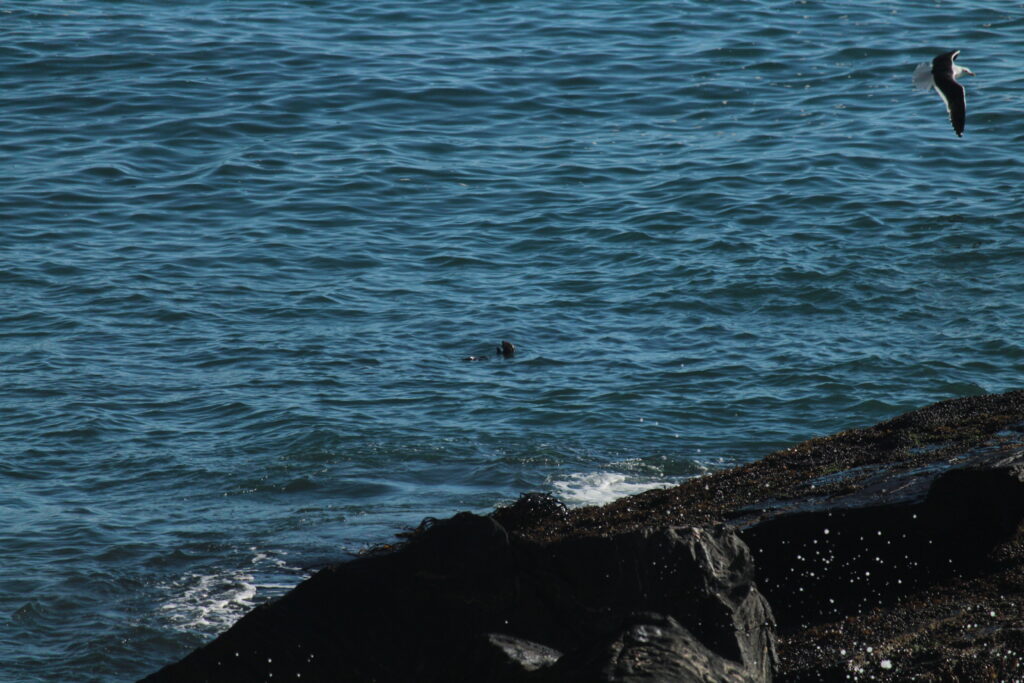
x=209, y=603
x=599, y=488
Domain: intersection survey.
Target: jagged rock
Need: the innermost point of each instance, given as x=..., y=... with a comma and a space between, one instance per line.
x=650, y=647
x=531, y=508
x=892, y=530
x=519, y=656
x=889, y=552
x=430, y=611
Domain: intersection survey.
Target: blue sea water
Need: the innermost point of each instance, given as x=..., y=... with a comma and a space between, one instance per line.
x=244, y=247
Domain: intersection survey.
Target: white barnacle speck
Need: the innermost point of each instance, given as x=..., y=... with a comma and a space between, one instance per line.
x=886, y=664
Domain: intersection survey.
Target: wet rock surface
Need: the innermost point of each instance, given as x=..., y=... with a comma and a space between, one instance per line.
x=887, y=553
x=463, y=601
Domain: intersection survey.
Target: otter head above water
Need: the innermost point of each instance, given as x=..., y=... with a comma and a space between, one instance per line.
x=505, y=350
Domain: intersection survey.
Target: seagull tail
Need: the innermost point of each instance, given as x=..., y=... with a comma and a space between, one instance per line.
x=923, y=76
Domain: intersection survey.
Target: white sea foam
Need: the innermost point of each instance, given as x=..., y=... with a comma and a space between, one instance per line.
x=598, y=488
x=211, y=602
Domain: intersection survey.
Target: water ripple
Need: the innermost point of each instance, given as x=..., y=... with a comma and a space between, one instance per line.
x=246, y=247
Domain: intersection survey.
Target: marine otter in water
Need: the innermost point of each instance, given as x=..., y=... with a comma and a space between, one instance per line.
x=505, y=350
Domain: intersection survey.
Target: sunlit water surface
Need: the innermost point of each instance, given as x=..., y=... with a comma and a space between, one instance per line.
x=246, y=245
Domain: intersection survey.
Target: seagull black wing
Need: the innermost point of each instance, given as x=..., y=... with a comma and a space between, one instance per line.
x=952, y=93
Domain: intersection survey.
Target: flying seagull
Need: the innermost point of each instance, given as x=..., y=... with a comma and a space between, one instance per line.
x=941, y=75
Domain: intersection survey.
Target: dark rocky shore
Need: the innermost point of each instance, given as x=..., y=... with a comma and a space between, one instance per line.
x=886, y=553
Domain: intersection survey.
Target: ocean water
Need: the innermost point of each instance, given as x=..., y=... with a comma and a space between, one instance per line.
x=244, y=247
